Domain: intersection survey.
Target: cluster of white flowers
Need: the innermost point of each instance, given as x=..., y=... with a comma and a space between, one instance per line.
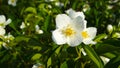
x=71, y=29
x=37, y=28
x=112, y=31
x=7, y=38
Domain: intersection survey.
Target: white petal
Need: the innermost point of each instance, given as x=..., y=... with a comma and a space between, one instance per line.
x=9, y=2
x=91, y=32
x=2, y=19
x=14, y=4
x=81, y=14
x=85, y=24
x=73, y=14
x=83, y=51
x=62, y=20
x=8, y=22
x=58, y=38
x=37, y=27
x=78, y=23
x=105, y=59
x=22, y=26
x=2, y=31
x=74, y=40
x=88, y=41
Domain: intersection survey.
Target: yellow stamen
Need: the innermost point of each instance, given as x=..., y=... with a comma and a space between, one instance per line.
x=68, y=31
x=85, y=34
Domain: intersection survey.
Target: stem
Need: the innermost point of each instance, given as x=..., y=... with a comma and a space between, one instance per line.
x=78, y=52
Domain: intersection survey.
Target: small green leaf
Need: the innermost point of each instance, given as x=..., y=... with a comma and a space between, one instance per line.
x=100, y=36
x=36, y=56
x=21, y=38
x=92, y=54
x=110, y=55
x=49, y=62
x=64, y=65
x=46, y=24
x=31, y=9
x=58, y=50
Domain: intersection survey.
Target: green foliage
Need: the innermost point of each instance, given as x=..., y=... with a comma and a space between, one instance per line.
x=29, y=48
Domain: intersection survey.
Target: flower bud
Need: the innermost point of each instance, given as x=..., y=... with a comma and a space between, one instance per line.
x=110, y=28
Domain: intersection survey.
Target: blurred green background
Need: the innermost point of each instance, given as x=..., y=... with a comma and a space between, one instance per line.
x=29, y=48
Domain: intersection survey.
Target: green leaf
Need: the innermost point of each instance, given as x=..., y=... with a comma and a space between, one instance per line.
x=113, y=42
x=94, y=57
x=110, y=55
x=46, y=24
x=64, y=65
x=21, y=38
x=100, y=36
x=58, y=50
x=36, y=56
x=49, y=62
x=31, y=9
x=104, y=48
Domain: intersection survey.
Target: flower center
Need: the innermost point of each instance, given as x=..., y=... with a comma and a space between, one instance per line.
x=85, y=34
x=1, y=24
x=68, y=31
x=12, y=1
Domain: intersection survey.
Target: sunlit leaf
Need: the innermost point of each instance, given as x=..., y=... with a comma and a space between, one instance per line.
x=36, y=56
x=64, y=65
x=49, y=62
x=94, y=57
x=30, y=9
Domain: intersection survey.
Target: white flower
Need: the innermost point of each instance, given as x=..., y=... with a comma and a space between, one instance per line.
x=68, y=29
x=3, y=21
x=110, y=28
x=2, y=31
x=12, y=2
x=88, y=34
x=38, y=30
x=38, y=65
x=22, y=26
